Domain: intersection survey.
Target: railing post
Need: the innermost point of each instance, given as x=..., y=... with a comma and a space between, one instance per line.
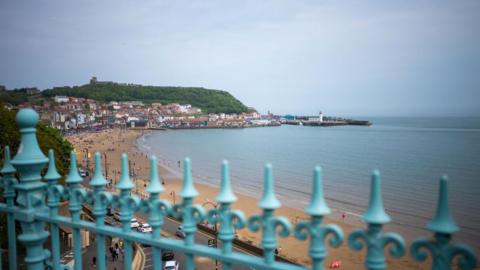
x=373, y=237
x=29, y=162
x=75, y=206
x=190, y=214
x=127, y=207
x=53, y=199
x=315, y=228
x=267, y=221
x=229, y=220
x=101, y=201
x=442, y=251
x=157, y=210
x=9, y=194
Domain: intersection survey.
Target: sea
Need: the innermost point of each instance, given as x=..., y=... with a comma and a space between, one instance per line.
x=410, y=153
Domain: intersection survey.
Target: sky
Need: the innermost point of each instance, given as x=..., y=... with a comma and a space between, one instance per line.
x=344, y=58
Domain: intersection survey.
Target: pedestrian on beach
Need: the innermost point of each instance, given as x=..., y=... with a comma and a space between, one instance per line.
x=94, y=261
x=344, y=216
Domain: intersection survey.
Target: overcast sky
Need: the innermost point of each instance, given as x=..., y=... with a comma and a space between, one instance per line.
x=346, y=58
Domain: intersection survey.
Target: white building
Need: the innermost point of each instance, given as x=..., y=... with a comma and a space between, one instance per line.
x=260, y=122
x=316, y=119
x=61, y=99
x=81, y=118
x=184, y=108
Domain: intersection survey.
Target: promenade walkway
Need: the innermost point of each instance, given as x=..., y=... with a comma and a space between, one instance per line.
x=91, y=251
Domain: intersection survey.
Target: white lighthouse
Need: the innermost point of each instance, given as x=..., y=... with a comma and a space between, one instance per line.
x=321, y=117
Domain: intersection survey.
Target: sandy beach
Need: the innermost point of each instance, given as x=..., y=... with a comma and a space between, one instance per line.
x=114, y=142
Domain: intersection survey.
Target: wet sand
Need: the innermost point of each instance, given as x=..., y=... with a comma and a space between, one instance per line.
x=114, y=142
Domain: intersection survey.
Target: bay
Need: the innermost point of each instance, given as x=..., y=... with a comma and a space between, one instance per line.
x=411, y=154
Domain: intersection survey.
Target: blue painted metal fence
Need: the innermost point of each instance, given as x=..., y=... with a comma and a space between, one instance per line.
x=33, y=201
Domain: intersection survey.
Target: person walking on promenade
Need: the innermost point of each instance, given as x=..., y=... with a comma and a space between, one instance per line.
x=112, y=253
x=116, y=253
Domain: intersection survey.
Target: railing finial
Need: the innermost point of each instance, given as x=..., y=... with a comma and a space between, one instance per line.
x=226, y=194
x=52, y=173
x=229, y=220
x=269, y=223
x=443, y=221
x=374, y=238
x=125, y=182
x=29, y=151
x=317, y=206
x=375, y=213
x=154, y=186
x=315, y=228
x=98, y=179
x=442, y=251
x=269, y=200
x=7, y=165
x=73, y=176
x=188, y=189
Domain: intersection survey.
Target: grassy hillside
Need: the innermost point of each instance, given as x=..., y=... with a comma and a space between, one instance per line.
x=210, y=101
x=14, y=97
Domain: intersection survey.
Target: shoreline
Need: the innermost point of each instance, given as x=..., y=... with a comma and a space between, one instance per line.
x=113, y=142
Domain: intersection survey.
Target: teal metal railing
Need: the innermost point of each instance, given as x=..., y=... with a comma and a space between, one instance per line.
x=33, y=201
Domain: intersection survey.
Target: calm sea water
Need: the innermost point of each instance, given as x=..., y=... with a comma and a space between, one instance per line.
x=411, y=154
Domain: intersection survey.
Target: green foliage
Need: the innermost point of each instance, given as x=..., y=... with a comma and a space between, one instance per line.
x=13, y=97
x=8, y=128
x=48, y=138
x=210, y=101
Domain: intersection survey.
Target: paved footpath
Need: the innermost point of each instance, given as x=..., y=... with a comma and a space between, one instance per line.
x=91, y=252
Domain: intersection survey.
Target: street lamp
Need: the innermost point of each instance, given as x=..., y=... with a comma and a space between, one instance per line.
x=173, y=196
x=106, y=168
x=215, y=205
x=87, y=155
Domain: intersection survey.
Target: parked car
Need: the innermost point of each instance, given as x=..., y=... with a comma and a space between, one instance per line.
x=82, y=172
x=167, y=255
x=110, y=211
x=134, y=223
x=117, y=216
x=145, y=228
x=171, y=265
x=180, y=233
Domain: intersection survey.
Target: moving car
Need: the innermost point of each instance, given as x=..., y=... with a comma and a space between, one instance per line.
x=171, y=265
x=167, y=255
x=180, y=233
x=134, y=223
x=117, y=216
x=145, y=228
